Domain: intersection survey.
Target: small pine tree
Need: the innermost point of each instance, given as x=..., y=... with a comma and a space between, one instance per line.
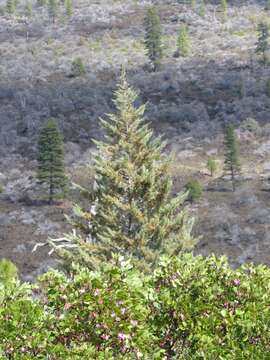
x=53, y=9
x=153, y=37
x=131, y=211
x=42, y=2
x=194, y=189
x=51, y=171
x=231, y=154
x=183, y=41
x=8, y=272
x=267, y=87
x=10, y=6
x=224, y=9
x=267, y=5
x=77, y=68
x=212, y=166
x=262, y=45
x=28, y=9
x=193, y=4
x=202, y=9
x=69, y=8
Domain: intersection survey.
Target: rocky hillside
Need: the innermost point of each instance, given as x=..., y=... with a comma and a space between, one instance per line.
x=189, y=100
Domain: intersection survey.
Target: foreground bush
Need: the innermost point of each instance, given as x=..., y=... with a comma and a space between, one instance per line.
x=190, y=308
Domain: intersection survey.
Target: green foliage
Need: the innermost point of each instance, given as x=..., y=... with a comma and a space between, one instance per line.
x=267, y=5
x=194, y=189
x=152, y=38
x=262, y=45
x=69, y=7
x=212, y=166
x=131, y=210
x=202, y=9
x=10, y=6
x=77, y=68
x=251, y=125
x=8, y=272
x=51, y=171
x=53, y=9
x=28, y=9
x=189, y=308
x=183, y=41
x=267, y=87
x=231, y=154
x=224, y=9
x=42, y=2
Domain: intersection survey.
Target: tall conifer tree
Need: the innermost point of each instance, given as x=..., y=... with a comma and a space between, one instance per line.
x=10, y=6
x=52, y=9
x=183, y=41
x=51, y=171
x=132, y=211
x=231, y=163
x=262, y=45
x=153, y=37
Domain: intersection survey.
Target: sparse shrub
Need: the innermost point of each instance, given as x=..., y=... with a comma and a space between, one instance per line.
x=77, y=68
x=212, y=166
x=195, y=190
x=251, y=125
x=1, y=189
x=42, y=2
x=2, y=10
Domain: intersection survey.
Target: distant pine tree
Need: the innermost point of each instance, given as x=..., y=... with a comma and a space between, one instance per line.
x=231, y=154
x=131, y=211
x=53, y=9
x=51, y=171
x=267, y=5
x=224, y=9
x=202, y=9
x=69, y=7
x=262, y=45
x=153, y=37
x=28, y=9
x=183, y=41
x=10, y=6
x=42, y=2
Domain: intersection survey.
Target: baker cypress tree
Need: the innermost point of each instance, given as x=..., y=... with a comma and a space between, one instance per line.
x=262, y=45
x=131, y=210
x=153, y=37
x=231, y=154
x=51, y=171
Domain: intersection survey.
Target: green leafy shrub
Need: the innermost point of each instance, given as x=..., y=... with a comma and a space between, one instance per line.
x=8, y=271
x=212, y=166
x=189, y=308
x=195, y=189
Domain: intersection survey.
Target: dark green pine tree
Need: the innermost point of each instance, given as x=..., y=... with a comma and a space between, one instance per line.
x=51, y=171
x=153, y=35
x=262, y=45
x=69, y=7
x=131, y=209
x=231, y=154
